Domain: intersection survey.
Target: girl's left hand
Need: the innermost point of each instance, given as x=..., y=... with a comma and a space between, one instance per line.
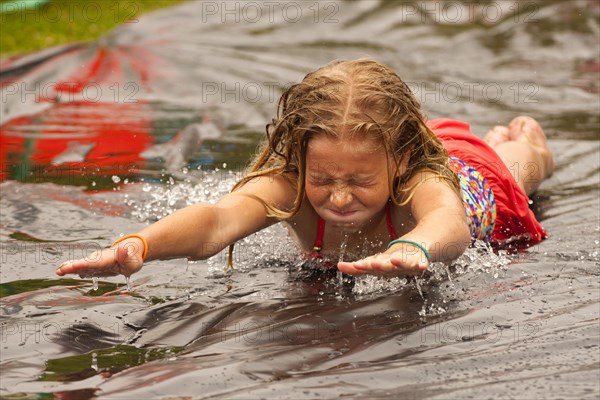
x=397, y=263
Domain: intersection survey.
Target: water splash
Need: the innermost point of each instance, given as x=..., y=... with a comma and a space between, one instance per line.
x=155, y=201
x=159, y=200
x=418, y=285
x=340, y=274
x=273, y=247
x=478, y=259
x=128, y=282
x=269, y=247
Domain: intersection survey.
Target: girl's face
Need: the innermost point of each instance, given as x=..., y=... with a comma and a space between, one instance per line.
x=346, y=181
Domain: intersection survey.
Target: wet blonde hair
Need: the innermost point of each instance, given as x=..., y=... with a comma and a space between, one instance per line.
x=355, y=99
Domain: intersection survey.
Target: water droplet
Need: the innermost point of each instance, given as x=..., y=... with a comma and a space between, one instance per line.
x=116, y=179
x=340, y=274
x=95, y=283
x=128, y=281
x=334, y=353
x=94, y=364
x=93, y=183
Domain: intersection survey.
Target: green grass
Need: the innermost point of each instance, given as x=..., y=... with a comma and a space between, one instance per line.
x=44, y=24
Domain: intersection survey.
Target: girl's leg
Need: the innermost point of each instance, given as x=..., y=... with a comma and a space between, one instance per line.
x=524, y=149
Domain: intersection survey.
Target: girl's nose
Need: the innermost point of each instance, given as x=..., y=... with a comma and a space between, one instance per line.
x=341, y=197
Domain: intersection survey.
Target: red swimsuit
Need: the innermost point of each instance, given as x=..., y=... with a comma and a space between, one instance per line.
x=514, y=219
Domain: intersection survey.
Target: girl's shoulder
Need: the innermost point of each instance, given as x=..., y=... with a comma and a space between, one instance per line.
x=425, y=176
x=276, y=190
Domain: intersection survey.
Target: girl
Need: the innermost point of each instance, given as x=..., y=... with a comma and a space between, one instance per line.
x=350, y=159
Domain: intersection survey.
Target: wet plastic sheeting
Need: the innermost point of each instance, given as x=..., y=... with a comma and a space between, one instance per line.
x=100, y=139
x=227, y=69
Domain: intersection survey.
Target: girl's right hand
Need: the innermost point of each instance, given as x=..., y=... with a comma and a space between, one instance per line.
x=125, y=258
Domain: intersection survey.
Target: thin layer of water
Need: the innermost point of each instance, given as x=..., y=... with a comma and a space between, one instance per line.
x=519, y=324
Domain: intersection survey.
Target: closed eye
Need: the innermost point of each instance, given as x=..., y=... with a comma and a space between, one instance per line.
x=362, y=182
x=320, y=180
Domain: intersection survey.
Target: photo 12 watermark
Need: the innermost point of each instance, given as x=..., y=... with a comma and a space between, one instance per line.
x=462, y=12
x=474, y=332
x=471, y=92
x=53, y=253
x=38, y=332
x=242, y=92
x=69, y=91
x=254, y=333
x=70, y=11
x=254, y=12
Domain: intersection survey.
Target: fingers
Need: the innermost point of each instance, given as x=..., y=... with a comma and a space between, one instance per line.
x=65, y=268
x=400, y=260
x=351, y=268
x=124, y=258
x=375, y=265
x=396, y=264
x=91, y=265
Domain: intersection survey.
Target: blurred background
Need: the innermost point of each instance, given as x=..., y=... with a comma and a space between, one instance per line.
x=111, y=84
x=116, y=113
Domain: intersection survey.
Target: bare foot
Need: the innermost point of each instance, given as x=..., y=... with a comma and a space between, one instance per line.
x=496, y=135
x=527, y=130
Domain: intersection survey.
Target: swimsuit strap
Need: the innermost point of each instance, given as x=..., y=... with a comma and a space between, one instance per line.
x=321, y=231
x=390, y=225
x=316, y=250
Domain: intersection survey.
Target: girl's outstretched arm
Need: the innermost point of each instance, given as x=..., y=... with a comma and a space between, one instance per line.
x=196, y=232
x=441, y=233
